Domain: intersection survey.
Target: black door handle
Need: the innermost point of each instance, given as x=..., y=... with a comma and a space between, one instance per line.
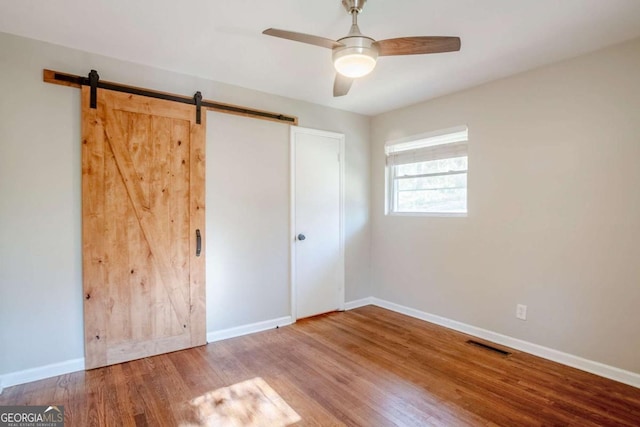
x=198, y=242
x=301, y=236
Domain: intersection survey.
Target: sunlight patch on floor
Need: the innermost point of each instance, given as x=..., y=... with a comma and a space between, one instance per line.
x=251, y=403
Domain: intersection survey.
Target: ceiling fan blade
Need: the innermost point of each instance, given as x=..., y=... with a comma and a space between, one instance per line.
x=417, y=45
x=341, y=85
x=303, y=38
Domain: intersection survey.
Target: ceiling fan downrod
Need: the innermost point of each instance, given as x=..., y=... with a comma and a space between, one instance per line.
x=354, y=8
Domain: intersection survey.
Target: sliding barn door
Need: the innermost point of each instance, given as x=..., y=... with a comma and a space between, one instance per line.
x=142, y=206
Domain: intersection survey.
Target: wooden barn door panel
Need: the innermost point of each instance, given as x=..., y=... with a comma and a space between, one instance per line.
x=143, y=200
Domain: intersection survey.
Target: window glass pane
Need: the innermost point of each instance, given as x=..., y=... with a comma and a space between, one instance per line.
x=438, y=194
x=432, y=182
x=433, y=166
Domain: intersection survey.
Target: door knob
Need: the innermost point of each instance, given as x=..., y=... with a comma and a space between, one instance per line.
x=301, y=236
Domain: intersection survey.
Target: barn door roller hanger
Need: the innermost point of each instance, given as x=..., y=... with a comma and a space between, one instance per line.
x=95, y=83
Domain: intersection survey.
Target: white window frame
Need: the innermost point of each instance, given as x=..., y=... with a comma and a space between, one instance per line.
x=440, y=144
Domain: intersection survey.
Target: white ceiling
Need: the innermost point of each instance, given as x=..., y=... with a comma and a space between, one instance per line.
x=222, y=40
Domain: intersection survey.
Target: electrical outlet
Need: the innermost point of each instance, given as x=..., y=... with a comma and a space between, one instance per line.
x=521, y=311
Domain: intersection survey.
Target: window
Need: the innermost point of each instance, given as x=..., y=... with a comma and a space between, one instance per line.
x=427, y=174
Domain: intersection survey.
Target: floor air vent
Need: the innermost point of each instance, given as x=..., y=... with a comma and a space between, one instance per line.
x=488, y=347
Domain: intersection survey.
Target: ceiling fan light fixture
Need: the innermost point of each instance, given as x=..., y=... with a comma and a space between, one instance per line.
x=355, y=62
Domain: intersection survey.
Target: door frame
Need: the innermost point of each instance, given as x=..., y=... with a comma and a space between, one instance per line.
x=295, y=130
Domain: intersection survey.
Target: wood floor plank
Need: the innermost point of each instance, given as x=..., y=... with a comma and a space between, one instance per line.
x=365, y=367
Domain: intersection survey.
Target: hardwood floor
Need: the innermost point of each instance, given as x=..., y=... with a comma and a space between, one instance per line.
x=365, y=367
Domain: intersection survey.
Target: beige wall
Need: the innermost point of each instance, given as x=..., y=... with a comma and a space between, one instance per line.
x=554, y=210
x=247, y=220
x=40, y=181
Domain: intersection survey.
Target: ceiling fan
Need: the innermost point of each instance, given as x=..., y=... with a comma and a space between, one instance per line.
x=355, y=55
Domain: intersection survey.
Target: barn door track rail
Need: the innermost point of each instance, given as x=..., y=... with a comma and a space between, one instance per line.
x=93, y=81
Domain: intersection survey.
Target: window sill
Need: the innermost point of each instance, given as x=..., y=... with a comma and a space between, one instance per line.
x=431, y=214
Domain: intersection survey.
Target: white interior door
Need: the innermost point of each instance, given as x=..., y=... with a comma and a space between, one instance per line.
x=317, y=225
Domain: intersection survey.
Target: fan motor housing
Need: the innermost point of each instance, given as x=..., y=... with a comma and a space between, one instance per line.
x=356, y=45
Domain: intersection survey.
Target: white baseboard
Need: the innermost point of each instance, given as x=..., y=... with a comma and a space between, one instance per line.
x=358, y=303
x=611, y=372
x=41, y=372
x=248, y=329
